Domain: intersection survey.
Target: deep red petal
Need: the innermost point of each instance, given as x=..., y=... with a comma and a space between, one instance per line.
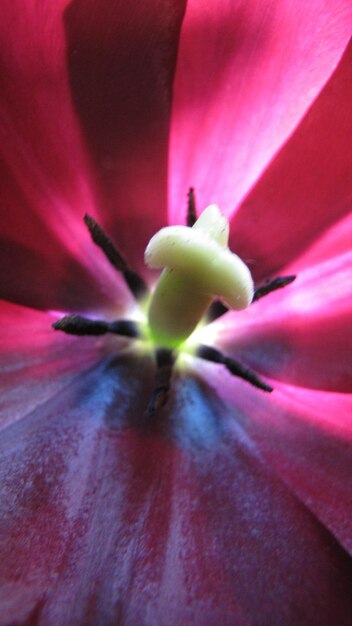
x=246, y=74
x=307, y=188
x=46, y=185
x=109, y=519
x=301, y=334
x=335, y=241
x=121, y=61
x=115, y=62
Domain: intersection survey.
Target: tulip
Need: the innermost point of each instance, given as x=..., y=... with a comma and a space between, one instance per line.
x=228, y=505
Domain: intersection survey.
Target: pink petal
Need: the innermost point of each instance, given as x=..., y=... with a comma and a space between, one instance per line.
x=246, y=74
x=306, y=437
x=335, y=241
x=300, y=334
x=50, y=53
x=121, y=61
x=46, y=181
x=307, y=188
x=37, y=363
x=107, y=519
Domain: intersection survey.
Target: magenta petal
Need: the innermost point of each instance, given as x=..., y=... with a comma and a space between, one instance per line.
x=121, y=61
x=46, y=180
x=307, y=187
x=335, y=241
x=306, y=436
x=300, y=335
x=107, y=519
x=246, y=74
x=37, y=363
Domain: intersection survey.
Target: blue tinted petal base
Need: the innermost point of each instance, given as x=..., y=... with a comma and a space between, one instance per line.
x=109, y=518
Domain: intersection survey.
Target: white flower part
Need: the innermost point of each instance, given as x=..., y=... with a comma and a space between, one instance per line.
x=198, y=268
x=214, y=224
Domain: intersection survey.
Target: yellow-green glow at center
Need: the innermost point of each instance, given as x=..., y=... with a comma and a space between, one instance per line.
x=198, y=267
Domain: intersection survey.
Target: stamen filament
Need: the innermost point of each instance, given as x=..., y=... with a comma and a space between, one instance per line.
x=191, y=208
x=165, y=360
x=136, y=284
x=234, y=367
x=217, y=308
x=272, y=285
x=78, y=325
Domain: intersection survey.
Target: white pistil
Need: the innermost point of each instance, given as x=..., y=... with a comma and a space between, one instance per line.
x=198, y=268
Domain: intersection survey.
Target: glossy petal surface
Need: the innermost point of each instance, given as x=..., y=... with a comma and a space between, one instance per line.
x=333, y=242
x=307, y=187
x=246, y=74
x=121, y=61
x=51, y=53
x=45, y=174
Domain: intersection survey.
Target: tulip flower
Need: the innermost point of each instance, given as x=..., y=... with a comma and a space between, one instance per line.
x=226, y=504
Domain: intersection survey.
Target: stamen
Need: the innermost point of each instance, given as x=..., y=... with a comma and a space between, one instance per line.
x=272, y=285
x=217, y=308
x=78, y=325
x=234, y=367
x=164, y=362
x=136, y=284
x=191, y=208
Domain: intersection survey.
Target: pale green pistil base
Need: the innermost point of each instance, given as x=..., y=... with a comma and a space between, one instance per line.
x=198, y=268
x=175, y=309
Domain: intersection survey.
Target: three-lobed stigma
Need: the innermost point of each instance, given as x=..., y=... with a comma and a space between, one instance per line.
x=197, y=268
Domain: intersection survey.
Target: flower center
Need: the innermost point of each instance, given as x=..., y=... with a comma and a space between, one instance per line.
x=200, y=276
x=198, y=267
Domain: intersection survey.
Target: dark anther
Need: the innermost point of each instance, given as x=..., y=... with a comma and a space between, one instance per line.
x=234, y=367
x=272, y=285
x=135, y=282
x=191, y=208
x=164, y=363
x=217, y=308
x=78, y=325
